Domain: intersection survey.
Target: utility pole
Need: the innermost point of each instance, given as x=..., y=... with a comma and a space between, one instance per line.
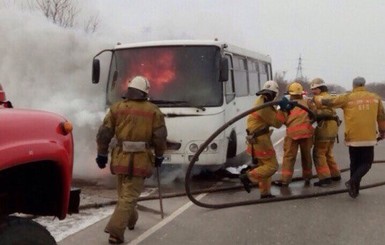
x=299, y=75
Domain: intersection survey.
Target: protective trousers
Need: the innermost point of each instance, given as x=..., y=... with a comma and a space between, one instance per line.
x=324, y=162
x=361, y=159
x=125, y=214
x=262, y=174
x=290, y=149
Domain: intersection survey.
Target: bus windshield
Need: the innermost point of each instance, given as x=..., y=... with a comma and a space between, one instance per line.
x=185, y=76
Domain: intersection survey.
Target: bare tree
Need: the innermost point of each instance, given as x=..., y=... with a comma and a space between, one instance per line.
x=61, y=12
x=91, y=24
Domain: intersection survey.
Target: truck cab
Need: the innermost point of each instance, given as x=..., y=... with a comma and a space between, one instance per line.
x=36, y=162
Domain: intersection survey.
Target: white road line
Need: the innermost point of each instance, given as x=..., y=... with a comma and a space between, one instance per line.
x=164, y=222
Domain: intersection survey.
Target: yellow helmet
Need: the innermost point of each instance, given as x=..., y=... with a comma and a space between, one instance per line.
x=316, y=83
x=295, y=88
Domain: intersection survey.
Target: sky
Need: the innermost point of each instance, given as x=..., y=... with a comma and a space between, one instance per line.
x=44, y=66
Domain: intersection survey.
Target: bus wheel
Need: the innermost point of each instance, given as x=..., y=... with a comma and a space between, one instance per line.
x=232, y=145
x=16, y=230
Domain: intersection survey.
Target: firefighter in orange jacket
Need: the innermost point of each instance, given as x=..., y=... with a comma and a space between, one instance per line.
x=136, y=123
x=259, y=144
x=363, y=115
x=299, y=133
x=325, y=135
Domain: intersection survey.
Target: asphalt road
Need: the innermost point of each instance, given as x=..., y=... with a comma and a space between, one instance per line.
x=332, y=219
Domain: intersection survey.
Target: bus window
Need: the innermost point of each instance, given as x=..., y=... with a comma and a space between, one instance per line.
x=240, y=76
x=185, y=74
x=263, y=72
x=229, y=85
x=253, y=77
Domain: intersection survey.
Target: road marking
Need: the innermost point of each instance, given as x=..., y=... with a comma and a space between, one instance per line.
x=164, y=222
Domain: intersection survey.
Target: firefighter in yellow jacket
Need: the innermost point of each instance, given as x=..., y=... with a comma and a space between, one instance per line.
x=136, y=124
x=259, y=144
x=363, y=115
x=299, y=134
x=324, y=137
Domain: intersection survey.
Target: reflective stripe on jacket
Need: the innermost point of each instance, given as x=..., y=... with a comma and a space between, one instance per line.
x=363, y=112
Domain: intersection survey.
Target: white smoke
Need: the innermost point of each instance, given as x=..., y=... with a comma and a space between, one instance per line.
x=47, y=67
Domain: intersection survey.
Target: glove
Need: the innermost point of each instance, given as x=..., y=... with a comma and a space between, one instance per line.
x=285, y=104
x=158, y=161
x=101, y=161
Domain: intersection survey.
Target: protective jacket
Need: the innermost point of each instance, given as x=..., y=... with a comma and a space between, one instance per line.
x=298, y=124
x=327, y=121
x=133, y=122
x=363, y=112
x=257, y=123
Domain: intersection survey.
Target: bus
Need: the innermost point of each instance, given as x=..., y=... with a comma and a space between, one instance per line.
x=199, y=85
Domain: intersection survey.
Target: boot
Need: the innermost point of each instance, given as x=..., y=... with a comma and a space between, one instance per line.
x=246, y=182
x=323, y=182
x=279, y=183
x=336, y=178
x=352, y=189
x=266, y=196
x=132, y=220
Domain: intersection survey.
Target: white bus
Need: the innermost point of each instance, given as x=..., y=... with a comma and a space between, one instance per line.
x=199, y=85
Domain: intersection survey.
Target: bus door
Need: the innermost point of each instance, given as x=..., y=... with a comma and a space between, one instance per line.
x=230, y=109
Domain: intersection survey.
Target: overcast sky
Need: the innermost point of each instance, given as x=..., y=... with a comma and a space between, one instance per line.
x=47, y=67
x=337, y=40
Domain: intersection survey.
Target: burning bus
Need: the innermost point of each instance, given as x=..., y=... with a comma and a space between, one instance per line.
x=198, y=85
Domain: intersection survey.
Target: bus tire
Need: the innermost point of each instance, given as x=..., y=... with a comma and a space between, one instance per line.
x=232, y=145
x=17, y=230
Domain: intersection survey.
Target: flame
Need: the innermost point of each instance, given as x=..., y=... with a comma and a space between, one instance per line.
x=158, y=66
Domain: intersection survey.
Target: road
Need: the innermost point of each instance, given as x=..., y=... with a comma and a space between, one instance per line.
x=332, y=219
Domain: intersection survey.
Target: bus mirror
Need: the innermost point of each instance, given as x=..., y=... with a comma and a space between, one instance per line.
x=95, y=70
x=224, y=70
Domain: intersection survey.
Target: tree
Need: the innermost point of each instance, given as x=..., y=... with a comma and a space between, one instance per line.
x=63, y=13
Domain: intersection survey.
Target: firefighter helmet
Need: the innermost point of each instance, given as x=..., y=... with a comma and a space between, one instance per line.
x=140, y=83
x=2, y=94
x=272, y=86
x=316, y=83
x=295, y=88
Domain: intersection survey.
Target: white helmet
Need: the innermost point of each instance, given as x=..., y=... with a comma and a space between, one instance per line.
x=316, y=83
x=140, y=83
x=272, y=86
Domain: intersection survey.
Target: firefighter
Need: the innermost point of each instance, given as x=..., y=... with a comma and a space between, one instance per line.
x=299, y=133
x=363, y=115
x=324, y=137
x=259, y=144
x=4, y=103
x=136, y=124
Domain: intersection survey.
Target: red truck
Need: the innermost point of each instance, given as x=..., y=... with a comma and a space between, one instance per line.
x=36, y=162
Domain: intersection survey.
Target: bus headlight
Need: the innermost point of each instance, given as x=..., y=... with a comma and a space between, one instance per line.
x=214, y=146
x=193, y=147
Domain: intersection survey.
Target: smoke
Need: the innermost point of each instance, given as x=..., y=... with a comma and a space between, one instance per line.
x=46, y=67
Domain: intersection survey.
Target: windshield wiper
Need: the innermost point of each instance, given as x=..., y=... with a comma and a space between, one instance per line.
x=177, y=102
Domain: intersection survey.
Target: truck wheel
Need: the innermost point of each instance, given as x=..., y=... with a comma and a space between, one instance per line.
x=16, y=230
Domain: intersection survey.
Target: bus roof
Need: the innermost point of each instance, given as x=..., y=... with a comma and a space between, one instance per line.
x=223, y=45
